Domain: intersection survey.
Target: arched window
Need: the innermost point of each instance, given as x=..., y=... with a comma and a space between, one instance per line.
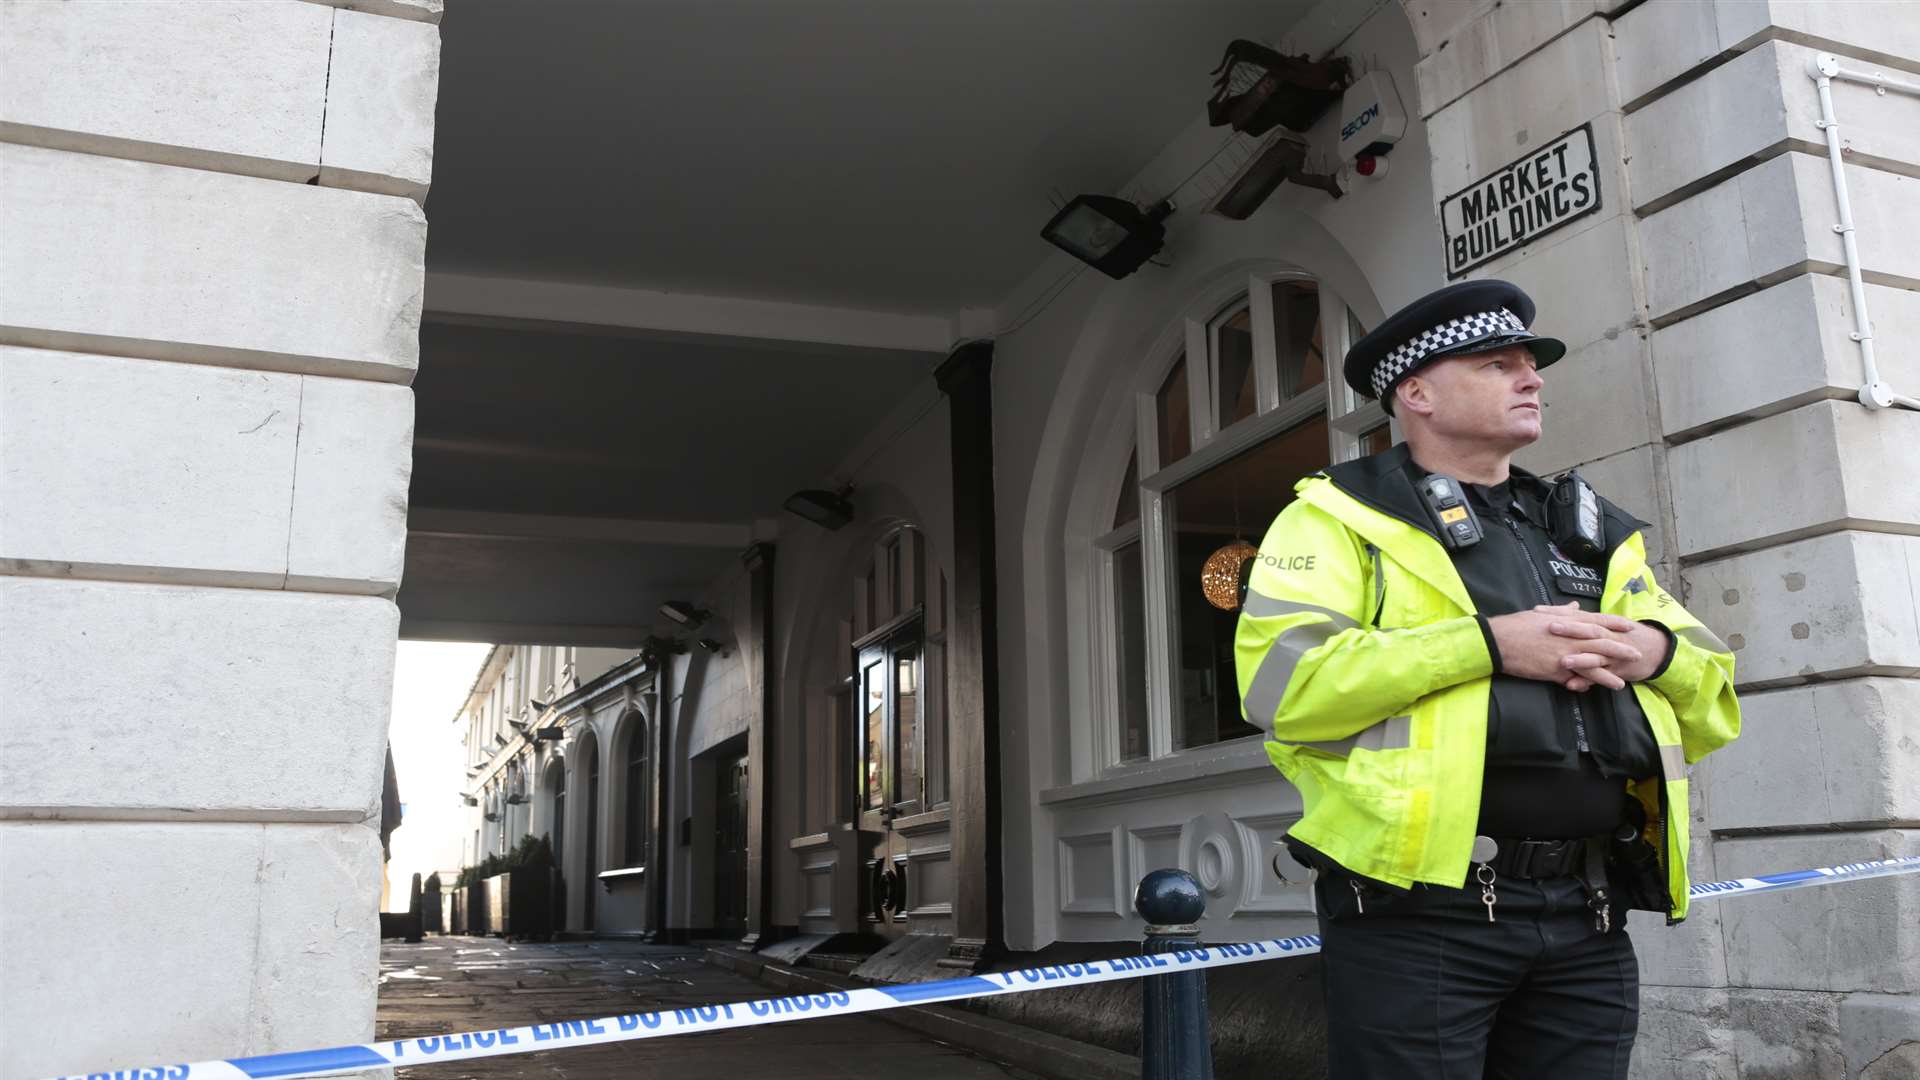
x=635, y=774
x=590, y=812
x=1249, y=400
x=496, y=814
x=515, y=818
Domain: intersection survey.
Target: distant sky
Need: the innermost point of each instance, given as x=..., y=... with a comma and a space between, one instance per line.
x=430, y=684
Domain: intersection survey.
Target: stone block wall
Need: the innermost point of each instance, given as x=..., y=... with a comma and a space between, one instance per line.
x=211, y=265
x=1710, y=388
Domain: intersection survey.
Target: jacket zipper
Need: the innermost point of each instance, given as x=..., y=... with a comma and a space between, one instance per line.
x=1379, y=587
x=1540, y=583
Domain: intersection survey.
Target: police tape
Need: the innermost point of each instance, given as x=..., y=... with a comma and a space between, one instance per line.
x=495, y=1042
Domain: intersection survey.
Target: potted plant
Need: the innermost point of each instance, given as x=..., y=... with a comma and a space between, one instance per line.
x=530, y=907
x=476, y=890
x=520, y=889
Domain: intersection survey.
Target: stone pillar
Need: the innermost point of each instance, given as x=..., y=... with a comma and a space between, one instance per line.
x=1710, y=388
x=666, y=833
x=762, y=836
x=973, y=731
x=211, y=254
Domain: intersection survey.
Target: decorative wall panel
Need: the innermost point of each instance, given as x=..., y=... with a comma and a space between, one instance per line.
x=1090, y=874
x=1287, y=892
x=930, y=882
x=1153, y=848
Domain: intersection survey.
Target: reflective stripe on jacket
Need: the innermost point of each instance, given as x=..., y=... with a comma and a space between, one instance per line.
x=1358, y=652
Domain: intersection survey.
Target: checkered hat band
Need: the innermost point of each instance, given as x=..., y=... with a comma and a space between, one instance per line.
x=1461, y=331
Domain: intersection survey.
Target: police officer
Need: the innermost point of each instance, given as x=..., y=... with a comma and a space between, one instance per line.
x=1488, y=706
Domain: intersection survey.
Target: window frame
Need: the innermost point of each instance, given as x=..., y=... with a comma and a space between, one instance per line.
x=1213, y=443
x=1266, y=390
x=884, y=647
x=902, y=568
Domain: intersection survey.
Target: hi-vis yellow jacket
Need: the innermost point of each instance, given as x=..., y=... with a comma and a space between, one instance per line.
x=1358, y=652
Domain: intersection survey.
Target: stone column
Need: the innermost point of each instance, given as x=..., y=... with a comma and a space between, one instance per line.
x=659, y=804
x=1794, y=507
x=1710, y=388
x=762, y=836
x=211, y=252
x=973, y=731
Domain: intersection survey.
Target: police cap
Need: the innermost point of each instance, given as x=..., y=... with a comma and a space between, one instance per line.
x=1470, y=317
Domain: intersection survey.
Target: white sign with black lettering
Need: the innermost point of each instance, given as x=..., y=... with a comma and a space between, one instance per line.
x=1522, y=201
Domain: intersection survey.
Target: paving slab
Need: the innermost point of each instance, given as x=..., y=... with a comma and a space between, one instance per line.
x=449, y=984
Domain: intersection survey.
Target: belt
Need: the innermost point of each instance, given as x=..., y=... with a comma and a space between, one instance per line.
x=1522, y=858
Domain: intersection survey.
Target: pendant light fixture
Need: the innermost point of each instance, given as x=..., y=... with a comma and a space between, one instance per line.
x=1220, y=574
x=1223, y=572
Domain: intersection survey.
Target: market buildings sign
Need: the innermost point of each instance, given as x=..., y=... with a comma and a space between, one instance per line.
x=1521, y=202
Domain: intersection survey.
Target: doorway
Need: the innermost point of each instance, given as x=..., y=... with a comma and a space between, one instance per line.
x=890, y=774
x=730, y=844
x=590, y=755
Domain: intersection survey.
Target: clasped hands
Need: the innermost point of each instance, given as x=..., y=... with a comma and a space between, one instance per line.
x=1577, y=649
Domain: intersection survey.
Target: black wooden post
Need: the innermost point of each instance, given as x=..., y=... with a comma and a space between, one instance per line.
x=973, y=721
x=1173, y=1029
x=759, y=653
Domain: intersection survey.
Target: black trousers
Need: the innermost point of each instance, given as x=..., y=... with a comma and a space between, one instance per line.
x=1420, y=984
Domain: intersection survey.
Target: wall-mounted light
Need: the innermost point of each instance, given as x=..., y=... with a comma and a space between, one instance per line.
x=1285, y=159
x=657, y=648
x=539, y=707
x=827, y=509
x=550, y=734
x=516, y=800
x=685, y=614
x=710, y=645
x=1107, y=233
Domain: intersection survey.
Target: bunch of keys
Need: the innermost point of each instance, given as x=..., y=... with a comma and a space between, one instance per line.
x=1484, y=849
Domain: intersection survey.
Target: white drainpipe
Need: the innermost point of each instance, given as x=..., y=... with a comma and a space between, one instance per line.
x=1823, y=69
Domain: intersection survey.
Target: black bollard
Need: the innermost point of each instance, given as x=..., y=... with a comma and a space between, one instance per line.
x=1173, y=1022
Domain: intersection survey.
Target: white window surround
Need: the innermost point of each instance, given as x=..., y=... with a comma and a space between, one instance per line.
x=1097, y=771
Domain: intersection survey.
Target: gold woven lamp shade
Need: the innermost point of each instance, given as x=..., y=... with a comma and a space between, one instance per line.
x=1220, y=575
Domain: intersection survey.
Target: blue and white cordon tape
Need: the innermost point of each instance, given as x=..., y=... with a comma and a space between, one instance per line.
x=495, y=1042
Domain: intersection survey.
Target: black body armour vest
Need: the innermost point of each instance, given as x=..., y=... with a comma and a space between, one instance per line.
x=1556, y=760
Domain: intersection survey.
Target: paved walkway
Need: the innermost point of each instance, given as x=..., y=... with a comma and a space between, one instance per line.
x=448, y=984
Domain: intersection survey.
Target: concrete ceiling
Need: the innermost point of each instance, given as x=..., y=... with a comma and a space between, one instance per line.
x=592, y=423
x=880, y=154
x=685, y=254
x=566, y=480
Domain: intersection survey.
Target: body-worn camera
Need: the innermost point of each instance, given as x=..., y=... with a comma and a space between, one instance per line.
x=1573, y=519
x=1446, y=502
